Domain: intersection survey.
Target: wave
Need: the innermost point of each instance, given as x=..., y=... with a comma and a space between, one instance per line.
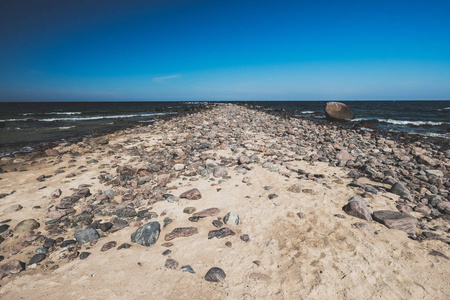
x=402, y=122
x=53, y=113
x=89, y=118
x=307, y=112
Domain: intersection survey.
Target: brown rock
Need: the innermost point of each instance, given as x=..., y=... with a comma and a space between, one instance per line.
x=171, y=264
x=396, y=220
x=259, y=277
x=221, y=233
x=357, y=207
x=181, y=232
x=108, y=246
x=423, y=209
x=209, y=212
x=193, y=194
x=344, y=156
x=52, y=152
x=13, y=267
x=338, y=111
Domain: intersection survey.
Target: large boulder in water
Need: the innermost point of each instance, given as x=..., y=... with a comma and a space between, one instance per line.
x=336, y=111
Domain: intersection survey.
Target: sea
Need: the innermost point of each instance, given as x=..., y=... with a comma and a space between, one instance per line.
x=25, y=126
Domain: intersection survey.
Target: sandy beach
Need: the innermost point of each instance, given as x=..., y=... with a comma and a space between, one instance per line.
x=267, y=204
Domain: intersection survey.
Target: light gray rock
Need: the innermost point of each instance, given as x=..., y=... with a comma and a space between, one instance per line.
x=86, y=235
x=147, y=234
x=231, y=219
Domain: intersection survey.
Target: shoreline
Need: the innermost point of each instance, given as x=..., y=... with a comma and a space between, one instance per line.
x=267, y=203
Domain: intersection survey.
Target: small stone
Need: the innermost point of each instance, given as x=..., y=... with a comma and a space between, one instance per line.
x=401, y=190
x=301, y=215
x=193, y=194
x=56, y=193
x=86, y=235
x=436, y=173
x=181, y=232
x=3, y=228
x=168, y=244
x=147, y=234
x=171, y=264
x=41, y=250
x=215, y=275
x=179, y=167
x=189, y=210
x=48, y=243
x=209, y=212
x=187, y=268
x=231, y=219
x=167, y=221
x=67, y=243
x=221, y=233
x=228, y=244
x=37, y=259
x=84, y=255
x=273, y=196
x=124, y=246
x=361, y=225
x=259, y=277
x=108, y=246
x=126, y=212
x=105, y=226
x=217, y=223
x=13, y=208
x=27, y=225
x=81, y=193
x=245, y=238
x=296, y=188
x=440, y=254
x=220, y=171
x=166, y=252
x=194, y=219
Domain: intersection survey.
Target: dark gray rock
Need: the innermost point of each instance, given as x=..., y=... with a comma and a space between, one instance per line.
x=171, y=264
x=37, y=259
x=221, y=233
x=124, y=246
x=126, y=212
x=84, y=255
x=147, y=234
x=401, y=190
x=215, y=275
x=86, y=235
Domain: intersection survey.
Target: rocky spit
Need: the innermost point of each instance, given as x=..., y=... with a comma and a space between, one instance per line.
x=228, y=203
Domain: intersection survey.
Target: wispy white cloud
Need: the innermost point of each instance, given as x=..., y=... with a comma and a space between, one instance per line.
x=164, y=78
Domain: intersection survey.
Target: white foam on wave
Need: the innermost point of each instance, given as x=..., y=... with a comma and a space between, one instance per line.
x=64, y=113
x=307, y=112
x=90, y=118
x=414, y=123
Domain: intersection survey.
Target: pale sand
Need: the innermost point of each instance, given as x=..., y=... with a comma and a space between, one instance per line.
x=319, y=257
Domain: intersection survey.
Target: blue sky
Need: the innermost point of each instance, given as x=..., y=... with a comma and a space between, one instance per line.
x=224, y=50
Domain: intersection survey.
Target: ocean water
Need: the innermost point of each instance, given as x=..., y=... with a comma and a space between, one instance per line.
x=25, y=126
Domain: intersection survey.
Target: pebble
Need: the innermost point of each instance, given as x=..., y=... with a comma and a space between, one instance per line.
x=13, y=208
x=86, y=235
x=296, y=188
x=171, y=264
x=189, y=210
x=108, y=246
x=187, y=268
x=27, y=225
x=167, y=252
x=37, y=258
x=124, y=246
x=181, y=232
x=221, y=233
x=245, y=238
x=209, y=212
x=217, y=223
x=193, y=194
x=147, y=234
x=273, y=196
x=231, y=219
x=215, y=275
x=84, y=255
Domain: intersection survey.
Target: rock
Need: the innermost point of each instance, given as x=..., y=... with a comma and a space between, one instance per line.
x=56, y=215
x=41, y=250
x=296, y=188
x=84, y=255
x=86, y=235
x=147, y=234
x=166, y=252
x=401, y=190
x=443, y=207
x=13, y=267
x=37, y=259
x=272, y=196
x=437, y=173
x=231, y=219
x=423, y=209
x=118, y=225
x=344, y=156
x=301, y=215
x=52, y=152
x=215, y=275
x=3, y=228
x=27, y=225
x=337, y=111
x=81, y=193
x=423, y=159
x=396, y=220
x=124, y=246
x=244, y=159
x=171, y=264
x=259, y=277
x=217, y=223
x=187, y=268
x=193, y=194
x=440, y=254
x=220, y=171
x=13, y=208
x=180, y=232
x=108, y=246
x=126, y=212
x=221, y=233
x=67, y=243
x=189, y=210
x=105, y=226
x=357, y=207
x=245, y=238
x=179, y=167
x=209, y=212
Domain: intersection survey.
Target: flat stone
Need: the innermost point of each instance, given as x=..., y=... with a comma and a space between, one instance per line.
x=56, y=215
x=147, y=234
x=124, y=246
x=188, y=269
x=81, y=193
x=357, y=207
x=27, y=225
x=13, y=208
x=37, y=259
x=84, y=255
x=396, y=220
x=217, y=223
x=181, y=232
x=220, y=171
x=126, y=212
x=221, y=233
x=189, y=210
x=192, y=194
x=209, y=212
x=105, y=226
x=3, y=228
x=13, y=267
x=361, y=225
x=86, y=235
x=437, y=173
x=215, y=275
x=231, y=219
